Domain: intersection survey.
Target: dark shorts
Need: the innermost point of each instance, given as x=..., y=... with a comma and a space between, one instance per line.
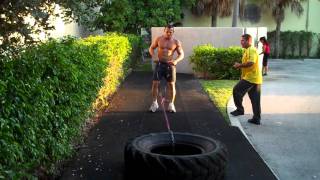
x=164, y=70
x=265, y=59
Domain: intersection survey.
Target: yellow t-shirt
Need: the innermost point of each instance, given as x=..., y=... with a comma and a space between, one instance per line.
x=253, y=73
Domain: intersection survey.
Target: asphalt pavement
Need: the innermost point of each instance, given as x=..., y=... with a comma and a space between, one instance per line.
x=102, y=154
x=289, y=137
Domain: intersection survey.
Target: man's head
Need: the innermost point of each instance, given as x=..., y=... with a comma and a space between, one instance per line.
x=168, y=31
x=246, y=40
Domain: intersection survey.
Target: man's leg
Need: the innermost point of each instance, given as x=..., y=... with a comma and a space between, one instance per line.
x=172, y=91
x=254, y=95
x=155, y=84
x=171, y=79
x=239, y=91
x=155, y=90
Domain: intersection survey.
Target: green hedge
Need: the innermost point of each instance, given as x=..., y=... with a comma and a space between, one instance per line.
x=47, y=94
x=294, y=44
x=216, y=63
x=118, y=50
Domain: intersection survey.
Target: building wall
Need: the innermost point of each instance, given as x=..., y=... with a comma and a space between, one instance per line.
x=191, y=37
x=67, y=29
x=190, y=20
x=70, y=29
x=314, y=15
x=292, y=22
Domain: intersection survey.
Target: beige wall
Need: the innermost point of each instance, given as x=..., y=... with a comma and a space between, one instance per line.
x=61, y=28
x=292, y=22
x=194, y=36
x=190, y=20
x=72, y=29
x=314, y=15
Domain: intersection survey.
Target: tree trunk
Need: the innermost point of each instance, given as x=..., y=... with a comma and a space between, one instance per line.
x=277, y=39
x=307, y=20
x=235, y=13
x=214, y=15
x=214, y=21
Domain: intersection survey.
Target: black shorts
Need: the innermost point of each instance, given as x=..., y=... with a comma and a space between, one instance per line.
x=164, y=70
x=265, y=59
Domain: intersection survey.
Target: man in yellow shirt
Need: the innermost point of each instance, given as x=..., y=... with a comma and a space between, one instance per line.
x=250, y=82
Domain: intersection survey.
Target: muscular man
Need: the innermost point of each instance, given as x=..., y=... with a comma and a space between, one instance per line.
x=165, y=65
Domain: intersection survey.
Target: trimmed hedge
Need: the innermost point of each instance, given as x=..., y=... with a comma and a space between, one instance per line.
x=216, y=63
x=295, y=44
x=47, y=94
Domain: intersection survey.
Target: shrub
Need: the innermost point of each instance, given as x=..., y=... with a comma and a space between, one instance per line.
x=47, y=94
x=293, y=44
x=201, y=58
x=222, y=65
x=318, y=48
x=217, y=62
x=122, y=52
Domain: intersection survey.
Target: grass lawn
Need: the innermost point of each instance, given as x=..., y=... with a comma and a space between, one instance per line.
x=219, y=91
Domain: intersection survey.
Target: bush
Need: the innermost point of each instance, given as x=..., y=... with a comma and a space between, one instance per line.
x=46, y=95
x=293, y=44
x=136, y=54
x=318, y=48
x=201, y=58
x=222, y=65
x=216, y=62
x=122, y=51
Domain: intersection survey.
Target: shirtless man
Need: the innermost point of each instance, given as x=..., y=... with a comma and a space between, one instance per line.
x=165, y=65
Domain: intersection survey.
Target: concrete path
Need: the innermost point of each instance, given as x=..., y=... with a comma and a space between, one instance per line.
x=289, y=137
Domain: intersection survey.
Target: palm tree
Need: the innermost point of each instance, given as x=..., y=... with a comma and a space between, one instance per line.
x=278, y=7
x=213, y=8
x=235, y=13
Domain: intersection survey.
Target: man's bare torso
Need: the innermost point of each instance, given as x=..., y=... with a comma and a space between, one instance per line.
x=166, y=48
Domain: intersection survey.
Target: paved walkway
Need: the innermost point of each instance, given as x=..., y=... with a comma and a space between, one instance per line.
x=101, y=157
x=289, y=137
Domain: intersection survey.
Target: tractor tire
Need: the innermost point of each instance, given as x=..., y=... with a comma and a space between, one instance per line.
x=193, y=157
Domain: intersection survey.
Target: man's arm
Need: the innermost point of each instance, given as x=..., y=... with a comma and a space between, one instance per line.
x=248, y=63
x=180, y=54
x=152, y=47
x=243, y=65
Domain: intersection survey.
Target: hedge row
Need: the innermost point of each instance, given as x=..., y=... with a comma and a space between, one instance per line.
x=47, y=93
x=295, y=44
x=216, y=63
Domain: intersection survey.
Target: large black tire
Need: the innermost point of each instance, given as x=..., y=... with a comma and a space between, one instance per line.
x=196, y=158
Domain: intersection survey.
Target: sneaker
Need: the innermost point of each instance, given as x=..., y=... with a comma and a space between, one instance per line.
x=171, y=108
x=154, y=106
x=237, y=113
x=254, y=121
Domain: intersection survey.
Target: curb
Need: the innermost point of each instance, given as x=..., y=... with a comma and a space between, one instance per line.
x=235, y=122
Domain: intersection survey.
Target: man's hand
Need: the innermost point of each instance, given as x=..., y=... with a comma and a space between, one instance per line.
x=155, y=60
x=237, y=65
x=172, y=62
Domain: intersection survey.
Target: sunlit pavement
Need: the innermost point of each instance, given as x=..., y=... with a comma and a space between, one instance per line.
x=289, y=137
